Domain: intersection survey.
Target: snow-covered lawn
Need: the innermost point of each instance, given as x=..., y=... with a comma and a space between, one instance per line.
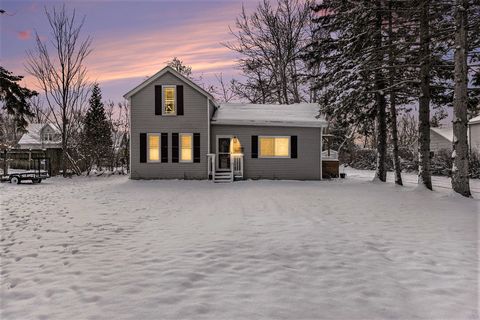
x=112, y=248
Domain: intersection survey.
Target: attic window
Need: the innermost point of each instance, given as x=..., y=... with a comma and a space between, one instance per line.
x=48, y=136
x=169, y=100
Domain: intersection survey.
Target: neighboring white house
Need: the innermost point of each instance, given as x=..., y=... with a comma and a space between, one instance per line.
x=40, y=136
x=442, y=138
x=474, y=133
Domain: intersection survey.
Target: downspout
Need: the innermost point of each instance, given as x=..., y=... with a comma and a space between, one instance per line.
x=321, y=149
x=470, y=138
x=130, y=140
x=208, y=124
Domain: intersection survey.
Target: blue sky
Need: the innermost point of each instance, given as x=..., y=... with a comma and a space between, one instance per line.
x=131, y=39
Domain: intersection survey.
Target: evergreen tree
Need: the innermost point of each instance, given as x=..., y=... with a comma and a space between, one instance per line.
x=15, y=98
x=96, y=134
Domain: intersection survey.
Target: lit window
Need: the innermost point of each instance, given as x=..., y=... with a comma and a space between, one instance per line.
x=169, y=100
x=274, y=147
x=153, y=147
x=186, y=147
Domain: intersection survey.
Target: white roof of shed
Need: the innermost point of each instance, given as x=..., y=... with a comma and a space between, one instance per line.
x=474, y=120
x=447, y=133
x=292, y=115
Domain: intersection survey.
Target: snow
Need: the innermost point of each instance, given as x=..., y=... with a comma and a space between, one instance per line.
x=32, y=138
x=439, y=183
x=446, y=132
x=113, y=248
x=475, y=120
x=295, y=115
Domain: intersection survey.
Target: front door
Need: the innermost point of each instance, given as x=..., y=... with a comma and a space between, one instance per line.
x=223, y=152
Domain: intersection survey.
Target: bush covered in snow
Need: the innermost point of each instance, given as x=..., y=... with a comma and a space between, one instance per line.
x=475, y=165
x=441, y=163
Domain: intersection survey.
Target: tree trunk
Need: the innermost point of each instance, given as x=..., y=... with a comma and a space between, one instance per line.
x=424, y=175
x=5, y=161
x=393, y=105
x=381, y=168
x=64, y=146
x=460, y=179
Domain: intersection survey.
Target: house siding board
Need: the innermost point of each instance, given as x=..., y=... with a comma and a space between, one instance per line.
x=305, y=167
x=143, y=119
x=475, y=136
x=438, y=142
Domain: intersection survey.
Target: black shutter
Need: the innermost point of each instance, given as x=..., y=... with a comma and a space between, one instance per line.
x=158, y=100
x=174, y=147
x=293, y=147
x=179, y=100
x=164, y=145
x=254, y=146
x=143, y=147
x=196, y=147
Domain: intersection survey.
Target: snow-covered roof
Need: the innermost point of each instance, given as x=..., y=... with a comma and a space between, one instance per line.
x=333, y=155
x=33, y=138
x=447, y=132
x=292, y=115
x=474, y=120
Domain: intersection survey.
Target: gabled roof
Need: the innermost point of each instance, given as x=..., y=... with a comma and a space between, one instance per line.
x=161, y=73
x=292, y=115
x=33, y=134
x=446, y=133
x=474, y=120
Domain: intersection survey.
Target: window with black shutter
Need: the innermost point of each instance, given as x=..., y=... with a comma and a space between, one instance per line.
x=158, y=100
x=179, y=100
x=254, y=146
x=293, y=147
x=174, y=147
x=164, y=145
x=196, y=147
x=143, y=147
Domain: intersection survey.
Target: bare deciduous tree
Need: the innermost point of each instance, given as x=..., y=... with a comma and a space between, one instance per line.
x=40, y=113
x=271, y=42
x=118, y=115
x=59, y=68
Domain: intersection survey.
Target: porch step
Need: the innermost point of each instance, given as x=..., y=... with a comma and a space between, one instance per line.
x=223, y=177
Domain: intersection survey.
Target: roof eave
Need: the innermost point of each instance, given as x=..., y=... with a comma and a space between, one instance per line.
x=301, y=124
x=160, y=73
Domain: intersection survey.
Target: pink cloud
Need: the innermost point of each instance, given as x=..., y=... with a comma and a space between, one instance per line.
x=24, y=35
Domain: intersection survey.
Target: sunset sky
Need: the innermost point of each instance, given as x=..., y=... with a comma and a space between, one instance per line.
x=131, y=39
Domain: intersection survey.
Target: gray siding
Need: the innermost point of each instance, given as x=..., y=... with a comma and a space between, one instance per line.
x=305, y=167
x=438, y=142
x=144, y=120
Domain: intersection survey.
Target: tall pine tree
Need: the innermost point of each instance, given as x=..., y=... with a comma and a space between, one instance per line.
x=96, y=135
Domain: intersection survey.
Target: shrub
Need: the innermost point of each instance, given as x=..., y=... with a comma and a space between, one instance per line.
x=474, y=165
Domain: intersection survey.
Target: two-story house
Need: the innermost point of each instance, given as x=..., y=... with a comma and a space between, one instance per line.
x=179, y=131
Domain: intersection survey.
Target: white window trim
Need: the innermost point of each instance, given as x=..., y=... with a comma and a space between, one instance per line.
x=180, y=147
x=163, y=101
x=275, y=157
x=159, y=147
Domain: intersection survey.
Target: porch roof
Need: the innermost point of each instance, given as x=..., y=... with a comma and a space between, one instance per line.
x=292, y=115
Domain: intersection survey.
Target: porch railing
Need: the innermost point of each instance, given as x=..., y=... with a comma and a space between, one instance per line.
x=236, y=164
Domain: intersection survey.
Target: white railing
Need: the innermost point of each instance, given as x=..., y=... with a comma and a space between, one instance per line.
x=211, y=165
x=236, y=164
